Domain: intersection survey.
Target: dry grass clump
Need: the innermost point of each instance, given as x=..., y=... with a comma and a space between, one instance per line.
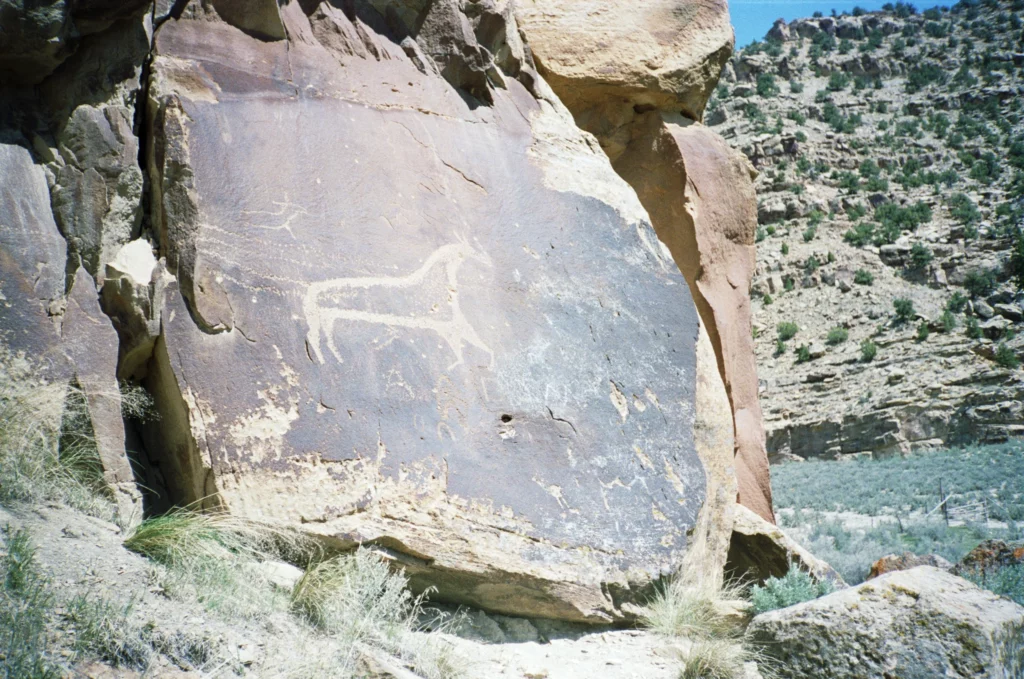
x=92, y=627
x=107, y=631
x=367, y=609
x=47, y=450
x=215, y=559
x=714, y=659
x=692, y=609
x=687, y=607
x=354, y=605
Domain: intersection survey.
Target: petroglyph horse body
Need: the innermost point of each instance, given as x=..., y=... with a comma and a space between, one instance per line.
x=374, y=299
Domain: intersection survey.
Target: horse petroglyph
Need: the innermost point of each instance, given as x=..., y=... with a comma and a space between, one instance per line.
x=375, y=299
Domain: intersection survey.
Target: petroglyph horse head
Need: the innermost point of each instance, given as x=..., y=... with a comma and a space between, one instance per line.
x=426, y=299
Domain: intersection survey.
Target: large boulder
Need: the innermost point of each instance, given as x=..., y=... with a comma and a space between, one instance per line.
x=918, y=623
x=664, y=54
x=700, y=196
x=413, y=306
x=906, y=561
x=989, y=557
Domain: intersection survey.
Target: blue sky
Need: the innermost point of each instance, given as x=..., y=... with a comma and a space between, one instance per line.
x=753, y=18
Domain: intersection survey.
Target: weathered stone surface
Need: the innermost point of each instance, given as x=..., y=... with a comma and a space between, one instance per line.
x=699, y=194
x=31, y=260
x=98, y=189
x=408, y=316
x=39, y=36
x=715, y=444
x=131, y=295
x=91, y=153
x=90, y=342
x=664, y=54
x=906, y=561
x=922, y=622
x=78, y=342
x=760, y=550
x=673, y=166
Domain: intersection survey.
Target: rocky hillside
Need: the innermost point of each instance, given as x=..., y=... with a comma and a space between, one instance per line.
x=890, y=147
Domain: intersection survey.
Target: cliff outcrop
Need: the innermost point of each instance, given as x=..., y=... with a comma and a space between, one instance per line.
x=382, y=287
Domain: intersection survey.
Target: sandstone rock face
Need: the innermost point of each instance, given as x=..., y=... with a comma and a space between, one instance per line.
x=714, y=441
x=39, y=36
x=68, y=338
x=697, y=190
x=664, y=54
x=922, y=622
x=708, y=227
x=417, y=311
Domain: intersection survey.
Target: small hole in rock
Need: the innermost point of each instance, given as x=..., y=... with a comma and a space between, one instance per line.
x=506, y=418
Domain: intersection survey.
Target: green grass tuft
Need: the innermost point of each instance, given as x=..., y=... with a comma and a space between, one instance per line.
x=25, y=605
x=214, y=558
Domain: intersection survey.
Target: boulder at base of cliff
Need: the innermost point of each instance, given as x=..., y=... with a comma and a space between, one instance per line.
x=415, y=308
x=759, y=550
x=920, y=623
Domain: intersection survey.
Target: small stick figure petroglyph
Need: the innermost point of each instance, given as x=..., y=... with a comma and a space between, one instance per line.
x=283, y=206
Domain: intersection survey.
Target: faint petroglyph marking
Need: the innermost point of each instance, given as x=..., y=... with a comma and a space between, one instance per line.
x=325, y=303
x=285, y=209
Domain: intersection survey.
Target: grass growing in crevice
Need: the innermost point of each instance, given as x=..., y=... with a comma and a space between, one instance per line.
x=215, y=559
x=687, y=608
x=47, y=449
